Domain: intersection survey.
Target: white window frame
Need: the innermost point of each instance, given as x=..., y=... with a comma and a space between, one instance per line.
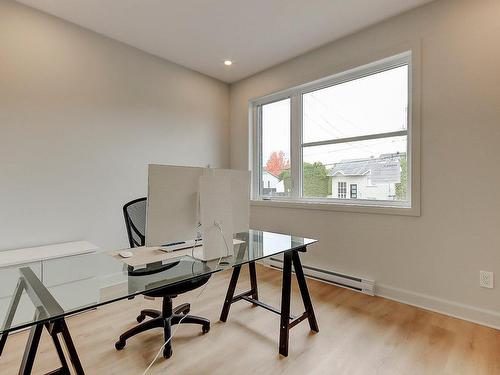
x=296, y=200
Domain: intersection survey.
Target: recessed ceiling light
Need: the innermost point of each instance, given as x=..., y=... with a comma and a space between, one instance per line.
x=228, y=62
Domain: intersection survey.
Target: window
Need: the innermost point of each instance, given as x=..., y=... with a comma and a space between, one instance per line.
x=354, y=191
x=342, y=187
x=351, y=129
x=275, y=162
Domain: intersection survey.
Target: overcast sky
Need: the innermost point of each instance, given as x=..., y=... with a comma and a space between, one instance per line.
x=373, y=104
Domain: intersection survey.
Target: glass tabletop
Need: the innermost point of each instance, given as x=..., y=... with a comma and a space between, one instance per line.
x=34, y=293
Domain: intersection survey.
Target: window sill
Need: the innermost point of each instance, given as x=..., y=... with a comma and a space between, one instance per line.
x=333, y=206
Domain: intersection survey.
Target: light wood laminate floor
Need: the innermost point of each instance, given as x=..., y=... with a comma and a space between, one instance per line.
x=358, y=335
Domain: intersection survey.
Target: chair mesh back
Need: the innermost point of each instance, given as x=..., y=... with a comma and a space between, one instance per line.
x=135, y=219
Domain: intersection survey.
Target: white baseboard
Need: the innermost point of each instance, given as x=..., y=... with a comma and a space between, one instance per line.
x=488, y=318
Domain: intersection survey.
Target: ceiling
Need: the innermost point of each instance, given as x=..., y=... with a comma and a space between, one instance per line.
x=201, y=34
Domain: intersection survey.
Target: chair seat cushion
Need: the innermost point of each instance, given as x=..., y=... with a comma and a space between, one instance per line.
x=179, y=288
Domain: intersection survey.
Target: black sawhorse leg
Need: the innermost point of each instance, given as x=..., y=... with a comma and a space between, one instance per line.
x=287, y=322
x=54, y=329
x=46, y=307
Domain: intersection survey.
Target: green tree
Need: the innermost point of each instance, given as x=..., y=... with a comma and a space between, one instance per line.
x=286, y=177
x=315, y=180
x=402, y=187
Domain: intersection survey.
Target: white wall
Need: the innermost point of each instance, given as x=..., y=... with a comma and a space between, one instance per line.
x=81, y=116
x=432, y=260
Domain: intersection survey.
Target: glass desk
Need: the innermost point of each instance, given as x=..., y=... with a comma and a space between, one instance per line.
x=36, y=302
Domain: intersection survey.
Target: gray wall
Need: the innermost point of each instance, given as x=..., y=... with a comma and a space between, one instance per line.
x=81, y=116
x=432, y=260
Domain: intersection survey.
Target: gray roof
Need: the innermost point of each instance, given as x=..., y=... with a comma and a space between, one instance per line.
x=360, y=167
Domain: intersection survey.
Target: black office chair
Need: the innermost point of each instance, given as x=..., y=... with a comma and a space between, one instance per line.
x=135, y=221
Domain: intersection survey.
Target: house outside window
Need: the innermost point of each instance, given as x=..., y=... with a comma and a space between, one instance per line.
x=272, y=184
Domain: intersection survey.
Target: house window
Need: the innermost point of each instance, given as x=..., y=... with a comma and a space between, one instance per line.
x=354, y=191
x=351, y=129
x=342, y=190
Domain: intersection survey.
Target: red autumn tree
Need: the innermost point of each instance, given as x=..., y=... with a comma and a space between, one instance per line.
x=277, y=163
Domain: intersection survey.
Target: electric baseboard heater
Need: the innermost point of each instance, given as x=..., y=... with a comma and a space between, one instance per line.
x=345, y=281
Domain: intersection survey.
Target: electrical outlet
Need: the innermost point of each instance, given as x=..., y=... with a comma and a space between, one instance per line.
x=486, y=279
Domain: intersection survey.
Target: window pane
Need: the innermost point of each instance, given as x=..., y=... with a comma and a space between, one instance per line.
x=275, y=177
x=375, y=169
x=377, y=103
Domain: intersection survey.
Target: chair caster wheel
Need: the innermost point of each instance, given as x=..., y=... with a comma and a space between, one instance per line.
x=140, y=318
x=205, y=329
x=119, y=345
x=167, y=353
